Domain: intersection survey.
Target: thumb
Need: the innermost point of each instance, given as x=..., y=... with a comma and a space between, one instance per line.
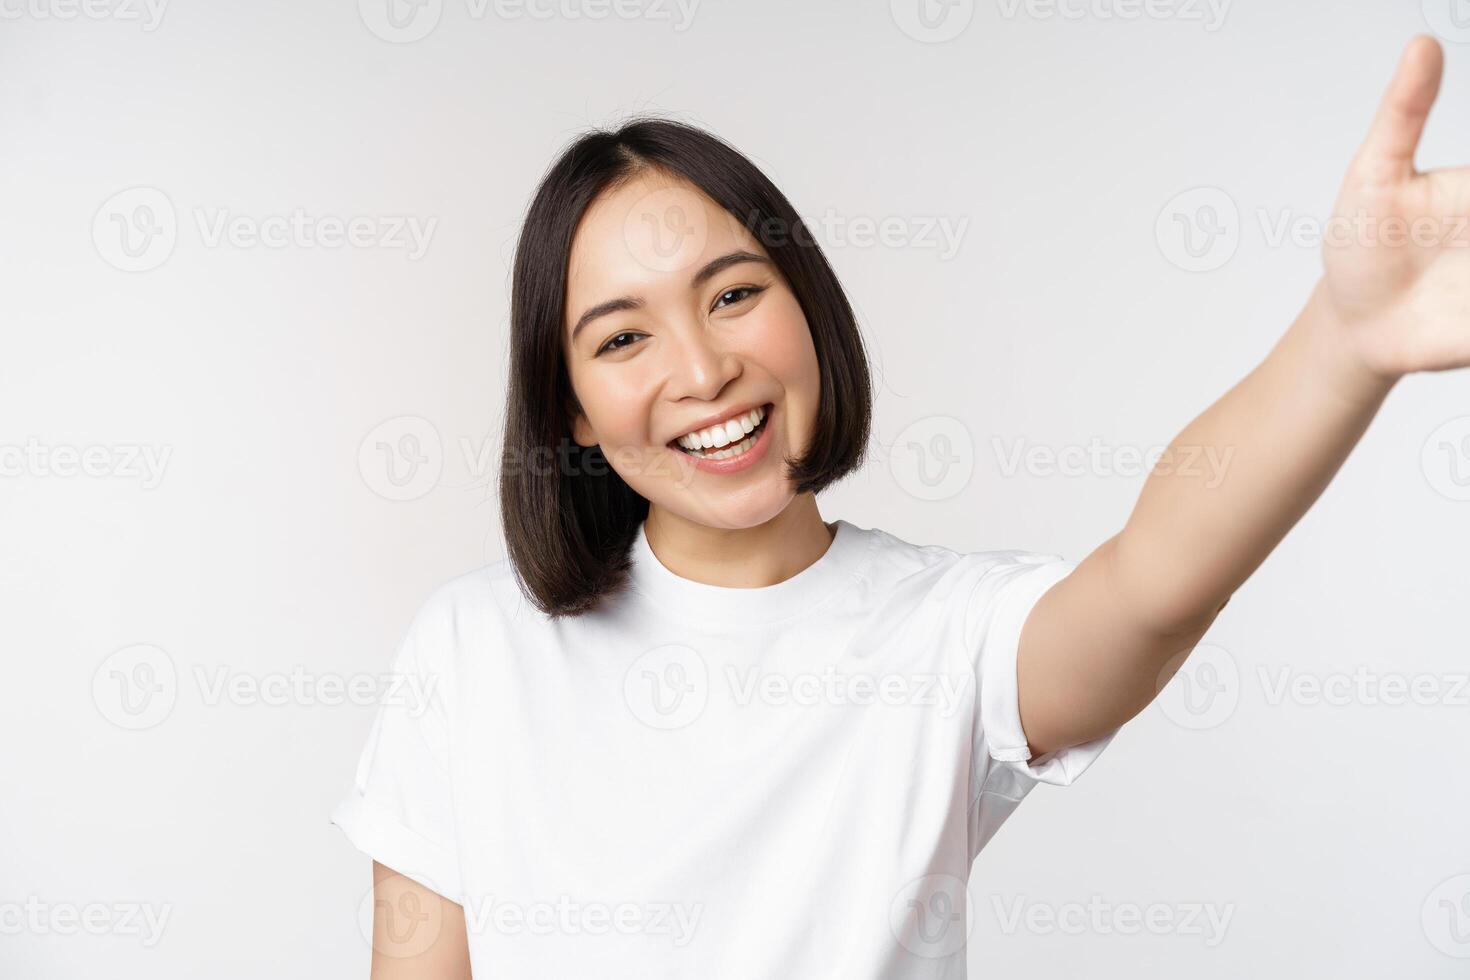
x=1387, y=155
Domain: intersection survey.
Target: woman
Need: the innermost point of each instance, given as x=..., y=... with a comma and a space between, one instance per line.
x=689, y=728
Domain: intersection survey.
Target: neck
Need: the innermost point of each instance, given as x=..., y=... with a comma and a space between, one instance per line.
x=740, y=558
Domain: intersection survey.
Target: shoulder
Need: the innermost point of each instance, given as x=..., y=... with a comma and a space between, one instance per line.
x=899, y=560
x=476, y=592
x=465, y=611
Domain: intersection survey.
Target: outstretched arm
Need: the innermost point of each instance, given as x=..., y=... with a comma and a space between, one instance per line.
x=1394, y=298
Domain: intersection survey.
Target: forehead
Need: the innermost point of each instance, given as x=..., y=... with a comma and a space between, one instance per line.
x=649, y=235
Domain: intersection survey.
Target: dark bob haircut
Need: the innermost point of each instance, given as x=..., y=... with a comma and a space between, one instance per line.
x=568, y=518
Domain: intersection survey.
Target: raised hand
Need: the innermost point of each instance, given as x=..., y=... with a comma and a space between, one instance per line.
x=1397, y=253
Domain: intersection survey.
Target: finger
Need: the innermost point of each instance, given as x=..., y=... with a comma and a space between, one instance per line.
x=1387, y=155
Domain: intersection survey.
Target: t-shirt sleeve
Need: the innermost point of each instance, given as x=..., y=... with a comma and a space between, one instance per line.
x=400, y=809
x=1003, y=769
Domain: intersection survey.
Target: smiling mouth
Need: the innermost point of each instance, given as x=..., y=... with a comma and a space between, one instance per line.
x=717, y=442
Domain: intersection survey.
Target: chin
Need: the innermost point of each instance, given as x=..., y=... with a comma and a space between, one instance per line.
x=748, y=508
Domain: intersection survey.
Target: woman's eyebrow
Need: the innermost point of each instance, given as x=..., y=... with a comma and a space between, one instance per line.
x=711, y=269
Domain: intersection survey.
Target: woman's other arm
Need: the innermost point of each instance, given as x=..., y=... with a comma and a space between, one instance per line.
x=1394, y=298
x=417, y=934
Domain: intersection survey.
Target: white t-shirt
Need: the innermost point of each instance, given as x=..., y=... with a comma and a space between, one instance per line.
x=698, y=781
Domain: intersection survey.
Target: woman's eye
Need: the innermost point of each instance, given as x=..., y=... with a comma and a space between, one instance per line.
x=612, y=343
x=619, y=341
x=748, y=290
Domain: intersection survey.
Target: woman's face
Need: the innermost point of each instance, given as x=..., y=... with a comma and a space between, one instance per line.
x=678, y=323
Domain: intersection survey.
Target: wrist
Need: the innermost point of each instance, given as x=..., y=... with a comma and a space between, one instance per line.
x=1334, y=352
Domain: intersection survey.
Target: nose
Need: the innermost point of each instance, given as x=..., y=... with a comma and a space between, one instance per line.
x=700, y=365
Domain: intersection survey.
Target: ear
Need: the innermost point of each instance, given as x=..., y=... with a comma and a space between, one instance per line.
x=582, y=433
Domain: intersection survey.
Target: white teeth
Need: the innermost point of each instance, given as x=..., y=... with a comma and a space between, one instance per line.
x=724, y=434
x=733, y=450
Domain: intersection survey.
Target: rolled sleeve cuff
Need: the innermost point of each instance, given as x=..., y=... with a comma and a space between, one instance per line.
x=1000, y=704
x=378, y=833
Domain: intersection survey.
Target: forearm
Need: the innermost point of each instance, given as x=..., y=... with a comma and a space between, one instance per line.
x=1261, y=455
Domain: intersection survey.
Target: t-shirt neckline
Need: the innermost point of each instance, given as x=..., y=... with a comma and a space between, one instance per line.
x=837, y=567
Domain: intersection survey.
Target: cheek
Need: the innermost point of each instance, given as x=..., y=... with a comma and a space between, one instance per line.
x=617, y=404
x=785, y=349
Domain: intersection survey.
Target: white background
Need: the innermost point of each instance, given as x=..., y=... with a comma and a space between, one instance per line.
x=1331, y=834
